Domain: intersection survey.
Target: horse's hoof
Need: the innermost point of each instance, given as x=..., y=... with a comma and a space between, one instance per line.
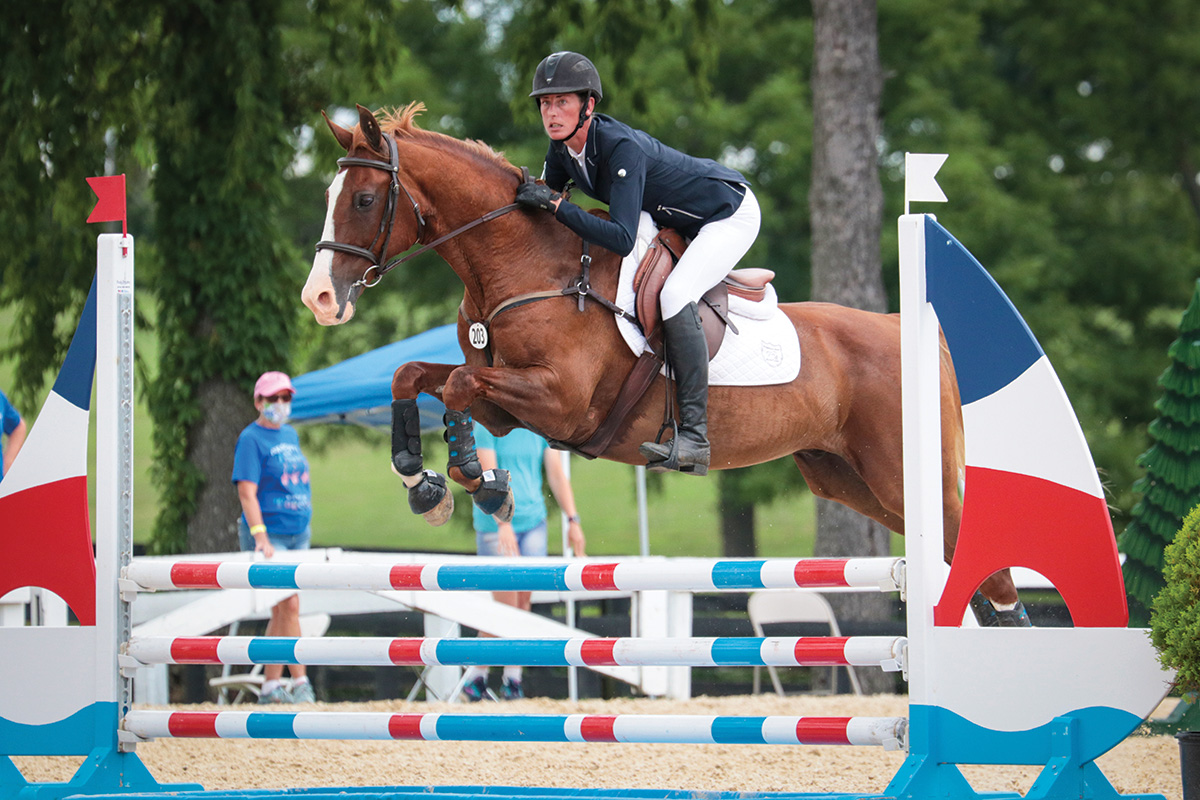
x=431, y=499
x=442, y=512
x=505, y=514
x=494, y=496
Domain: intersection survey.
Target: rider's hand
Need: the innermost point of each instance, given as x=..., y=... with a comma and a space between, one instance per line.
x=538, y=195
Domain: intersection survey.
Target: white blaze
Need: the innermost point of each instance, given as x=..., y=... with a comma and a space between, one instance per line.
x=320, y=278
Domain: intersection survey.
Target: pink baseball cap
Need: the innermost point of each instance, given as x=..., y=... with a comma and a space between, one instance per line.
x=272, y=383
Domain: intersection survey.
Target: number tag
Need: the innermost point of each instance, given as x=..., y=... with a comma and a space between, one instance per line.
x=477, y=335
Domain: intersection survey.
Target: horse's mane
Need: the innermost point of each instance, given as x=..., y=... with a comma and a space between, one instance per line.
x=401, y=122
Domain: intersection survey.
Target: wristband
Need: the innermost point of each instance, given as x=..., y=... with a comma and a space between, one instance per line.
x=257, y=529
x=573, y=518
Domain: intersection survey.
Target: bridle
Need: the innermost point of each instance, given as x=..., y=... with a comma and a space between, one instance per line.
x=378, y=268
x=581, y=288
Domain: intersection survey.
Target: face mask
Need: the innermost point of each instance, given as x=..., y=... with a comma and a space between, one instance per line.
x=278, y=413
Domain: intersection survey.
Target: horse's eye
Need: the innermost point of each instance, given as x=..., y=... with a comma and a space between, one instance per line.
x=364, y=200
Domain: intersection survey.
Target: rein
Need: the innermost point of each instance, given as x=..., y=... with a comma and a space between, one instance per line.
x=373, y=274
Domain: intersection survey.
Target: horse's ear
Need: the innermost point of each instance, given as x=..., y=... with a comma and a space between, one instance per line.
x=343, y=136
x=370, y=129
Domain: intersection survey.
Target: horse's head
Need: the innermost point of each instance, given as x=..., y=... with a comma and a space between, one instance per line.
x=371, y=216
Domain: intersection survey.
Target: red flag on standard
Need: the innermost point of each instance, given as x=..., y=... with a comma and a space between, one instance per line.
x=110, y=205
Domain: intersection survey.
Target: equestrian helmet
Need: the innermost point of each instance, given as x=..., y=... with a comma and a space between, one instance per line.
x=566, y=72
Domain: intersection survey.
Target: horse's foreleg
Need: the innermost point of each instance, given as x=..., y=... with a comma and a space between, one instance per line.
x=427, y=492
x=521, y=393
x=489, y=488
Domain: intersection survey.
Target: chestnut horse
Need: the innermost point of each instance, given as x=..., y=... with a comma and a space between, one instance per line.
x=556, y=369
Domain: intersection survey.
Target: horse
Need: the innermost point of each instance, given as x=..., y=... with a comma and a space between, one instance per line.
x=555, y=364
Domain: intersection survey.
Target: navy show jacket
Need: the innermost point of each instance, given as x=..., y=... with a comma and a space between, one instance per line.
x=632, y=172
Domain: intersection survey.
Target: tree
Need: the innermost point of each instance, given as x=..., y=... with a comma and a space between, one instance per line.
x=846, y=202
x=209, y=96
x=1171, y=485
x=67, y=113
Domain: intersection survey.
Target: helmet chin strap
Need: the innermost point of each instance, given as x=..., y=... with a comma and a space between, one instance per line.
x=583, y=118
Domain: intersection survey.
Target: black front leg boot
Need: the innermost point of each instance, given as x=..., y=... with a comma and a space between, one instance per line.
x=428, y=496
x=489, y=489
x=406, y=438
x=494, y=496
x=463, y=463
x=687, y=350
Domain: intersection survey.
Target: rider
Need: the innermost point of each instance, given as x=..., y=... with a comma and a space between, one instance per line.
x=633, y=172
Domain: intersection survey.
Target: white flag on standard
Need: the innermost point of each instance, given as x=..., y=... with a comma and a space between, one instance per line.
x=920, y=178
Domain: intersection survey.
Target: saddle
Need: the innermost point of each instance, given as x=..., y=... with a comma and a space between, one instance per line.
x=656, y=265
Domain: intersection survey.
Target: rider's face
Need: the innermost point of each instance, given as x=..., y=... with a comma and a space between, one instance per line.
x=560, y=114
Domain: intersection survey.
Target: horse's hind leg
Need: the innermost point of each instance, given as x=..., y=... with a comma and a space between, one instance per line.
x=831, y=477
x=427, y=492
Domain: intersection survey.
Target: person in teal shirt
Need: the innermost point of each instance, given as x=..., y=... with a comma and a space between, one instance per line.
x=526, y=456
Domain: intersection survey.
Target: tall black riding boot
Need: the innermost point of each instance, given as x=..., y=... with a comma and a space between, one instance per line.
x=688, y=354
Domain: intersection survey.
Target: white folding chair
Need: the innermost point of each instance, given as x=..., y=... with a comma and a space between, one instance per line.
x=793, y=606
x=251, y=682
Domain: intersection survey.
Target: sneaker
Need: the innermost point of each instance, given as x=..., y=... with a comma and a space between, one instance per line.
x=276, y=696
x=303, y=693
x=476, y=690
x=513, y=690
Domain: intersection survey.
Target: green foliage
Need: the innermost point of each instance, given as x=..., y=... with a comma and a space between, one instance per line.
x=65, y=109
x=1171, y=485
x=1175, y=621
x=1070, y=180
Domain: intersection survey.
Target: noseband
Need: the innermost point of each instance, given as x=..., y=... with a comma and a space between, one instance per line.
x=378, y=268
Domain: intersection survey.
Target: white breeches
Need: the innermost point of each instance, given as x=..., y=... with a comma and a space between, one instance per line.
x=712, y=254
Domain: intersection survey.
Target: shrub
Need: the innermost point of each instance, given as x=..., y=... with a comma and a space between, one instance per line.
x=1175, y=621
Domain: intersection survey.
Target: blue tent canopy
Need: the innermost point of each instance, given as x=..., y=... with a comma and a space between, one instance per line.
x=358, y=391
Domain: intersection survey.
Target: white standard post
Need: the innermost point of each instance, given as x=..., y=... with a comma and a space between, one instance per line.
x=572, y=672
x=921, y=397
x=114, y=461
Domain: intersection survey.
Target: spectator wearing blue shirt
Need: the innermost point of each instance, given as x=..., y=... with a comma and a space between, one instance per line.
x=525, y=455
x=14, y=428
x=271, y=475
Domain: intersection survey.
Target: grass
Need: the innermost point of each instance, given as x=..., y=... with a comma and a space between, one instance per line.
x=358, y=502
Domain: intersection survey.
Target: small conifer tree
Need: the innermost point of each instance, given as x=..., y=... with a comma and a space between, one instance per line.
x=1171, y=485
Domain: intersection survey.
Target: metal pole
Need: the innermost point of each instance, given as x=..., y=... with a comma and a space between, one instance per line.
x=643, y=521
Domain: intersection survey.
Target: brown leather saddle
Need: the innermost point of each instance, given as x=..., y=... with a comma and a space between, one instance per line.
x=656, y=265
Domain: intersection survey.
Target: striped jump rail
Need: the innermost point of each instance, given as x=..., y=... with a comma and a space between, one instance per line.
x=887, y=732
x=775, y=651
x=699, y=575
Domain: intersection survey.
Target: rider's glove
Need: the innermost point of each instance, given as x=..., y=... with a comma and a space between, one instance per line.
x=537, y=195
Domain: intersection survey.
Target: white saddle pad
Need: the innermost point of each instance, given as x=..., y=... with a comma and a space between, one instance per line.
x=764, y=351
